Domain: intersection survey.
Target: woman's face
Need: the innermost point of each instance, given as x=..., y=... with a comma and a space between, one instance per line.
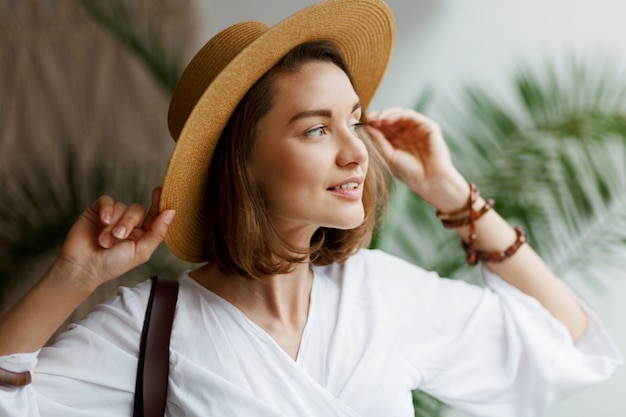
x=308, y=161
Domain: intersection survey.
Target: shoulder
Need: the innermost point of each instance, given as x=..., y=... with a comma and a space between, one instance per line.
x=113, y=325
x=127, y=303
x=372, y=260
x=379, y=267
x=397, y=283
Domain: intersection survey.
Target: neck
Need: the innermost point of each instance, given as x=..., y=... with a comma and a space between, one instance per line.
x=285, y=297
x=278, y=298
x=279, y=304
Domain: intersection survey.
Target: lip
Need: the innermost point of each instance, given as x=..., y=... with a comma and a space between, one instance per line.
x=349, y=193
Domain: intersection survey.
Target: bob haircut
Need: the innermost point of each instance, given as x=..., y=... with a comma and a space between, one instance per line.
x=241, y=237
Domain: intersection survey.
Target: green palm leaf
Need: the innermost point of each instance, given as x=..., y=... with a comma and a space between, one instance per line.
x=555, y=162
x=144, y=40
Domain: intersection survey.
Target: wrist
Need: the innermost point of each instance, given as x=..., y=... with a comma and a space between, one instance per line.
x=449, y=194
x=65, y=274
x=465, y=219
x=33, y=319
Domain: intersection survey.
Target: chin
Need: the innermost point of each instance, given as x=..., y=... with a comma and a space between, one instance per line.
x=347, y=225
x=343, y=219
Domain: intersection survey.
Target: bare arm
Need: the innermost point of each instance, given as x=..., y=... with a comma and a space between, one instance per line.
x=107, y=240
x=417, y=154
x=528, y=272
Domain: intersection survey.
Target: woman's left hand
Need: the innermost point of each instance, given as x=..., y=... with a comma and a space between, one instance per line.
x=417, y=154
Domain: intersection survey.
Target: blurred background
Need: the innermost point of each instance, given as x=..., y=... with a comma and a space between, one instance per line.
x=531, y=96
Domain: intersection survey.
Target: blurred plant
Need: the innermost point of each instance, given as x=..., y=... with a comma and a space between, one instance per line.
x=49, y=191
x=146, y=42
x=555, y=164
x=554, y=161
x=427, y=406
x=47, y=194
x=44, y=205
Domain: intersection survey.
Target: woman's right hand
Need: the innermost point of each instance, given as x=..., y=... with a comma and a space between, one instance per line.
x=107, y=240
x=111, y=238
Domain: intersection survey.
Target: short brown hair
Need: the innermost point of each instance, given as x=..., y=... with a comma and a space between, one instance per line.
x=241, y=237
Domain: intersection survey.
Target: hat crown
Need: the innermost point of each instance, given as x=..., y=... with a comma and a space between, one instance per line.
x=205, y=66
x=227, y=67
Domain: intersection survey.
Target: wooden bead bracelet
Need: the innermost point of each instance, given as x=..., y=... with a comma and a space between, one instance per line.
x=473, y=197
x=472, y=216
x=467, y=216
x=474, y=256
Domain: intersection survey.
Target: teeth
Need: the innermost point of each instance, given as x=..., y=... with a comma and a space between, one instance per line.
x=347, y=186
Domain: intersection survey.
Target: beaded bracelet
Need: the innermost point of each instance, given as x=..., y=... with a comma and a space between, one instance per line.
x=467, y=216
x=16, y=379
x=474, y=256
x=473, y=197
x=472, y=216
x=474, y=194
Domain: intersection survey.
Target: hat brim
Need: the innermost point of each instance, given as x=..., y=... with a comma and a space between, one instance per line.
x=364, y=32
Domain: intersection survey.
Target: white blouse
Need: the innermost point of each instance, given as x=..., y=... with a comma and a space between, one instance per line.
x=378, y=327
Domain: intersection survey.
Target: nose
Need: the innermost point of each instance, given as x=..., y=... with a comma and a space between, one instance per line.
x=351, y=150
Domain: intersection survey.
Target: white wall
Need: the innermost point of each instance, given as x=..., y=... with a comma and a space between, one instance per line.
x=447, y=43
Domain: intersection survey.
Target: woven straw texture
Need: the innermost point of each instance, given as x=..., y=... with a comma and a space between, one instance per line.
x=223, y=71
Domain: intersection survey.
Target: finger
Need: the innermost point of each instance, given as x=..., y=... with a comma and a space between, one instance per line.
x=130, y=218
x=123, y=220
x=378, y=117
x=154, y=209
x=398, y=115
x=395, y=123
x=156, y=196
x=101, y=210
x=371, y=116
x=115, y=210
x=386, y=113
x=148, y=243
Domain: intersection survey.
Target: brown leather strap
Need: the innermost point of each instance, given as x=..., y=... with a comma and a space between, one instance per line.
x=14, y=379
x=153, y=366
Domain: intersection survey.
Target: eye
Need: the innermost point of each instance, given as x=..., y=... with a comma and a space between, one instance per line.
x=356, y=126
x=316, y=132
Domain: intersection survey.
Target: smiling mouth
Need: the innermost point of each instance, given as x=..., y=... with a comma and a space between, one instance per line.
x=346, y=186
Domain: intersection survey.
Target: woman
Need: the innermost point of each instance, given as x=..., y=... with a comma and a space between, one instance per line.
x=290, y=315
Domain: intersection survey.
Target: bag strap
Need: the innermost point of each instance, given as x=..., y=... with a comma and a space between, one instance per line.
x=153, y=366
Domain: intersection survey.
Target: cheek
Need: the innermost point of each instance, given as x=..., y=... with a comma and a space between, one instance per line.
x=290, y=164
x=275, y=172
x=294, y=173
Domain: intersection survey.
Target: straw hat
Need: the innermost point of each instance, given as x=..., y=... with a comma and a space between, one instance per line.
x=221, y=73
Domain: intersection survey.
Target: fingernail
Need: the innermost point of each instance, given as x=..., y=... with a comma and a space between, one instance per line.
x=106, y=218
x=105, y=241
x=169, y=216
x=119, y=232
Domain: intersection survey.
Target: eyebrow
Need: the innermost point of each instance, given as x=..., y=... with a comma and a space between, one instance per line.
x=320, y=112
